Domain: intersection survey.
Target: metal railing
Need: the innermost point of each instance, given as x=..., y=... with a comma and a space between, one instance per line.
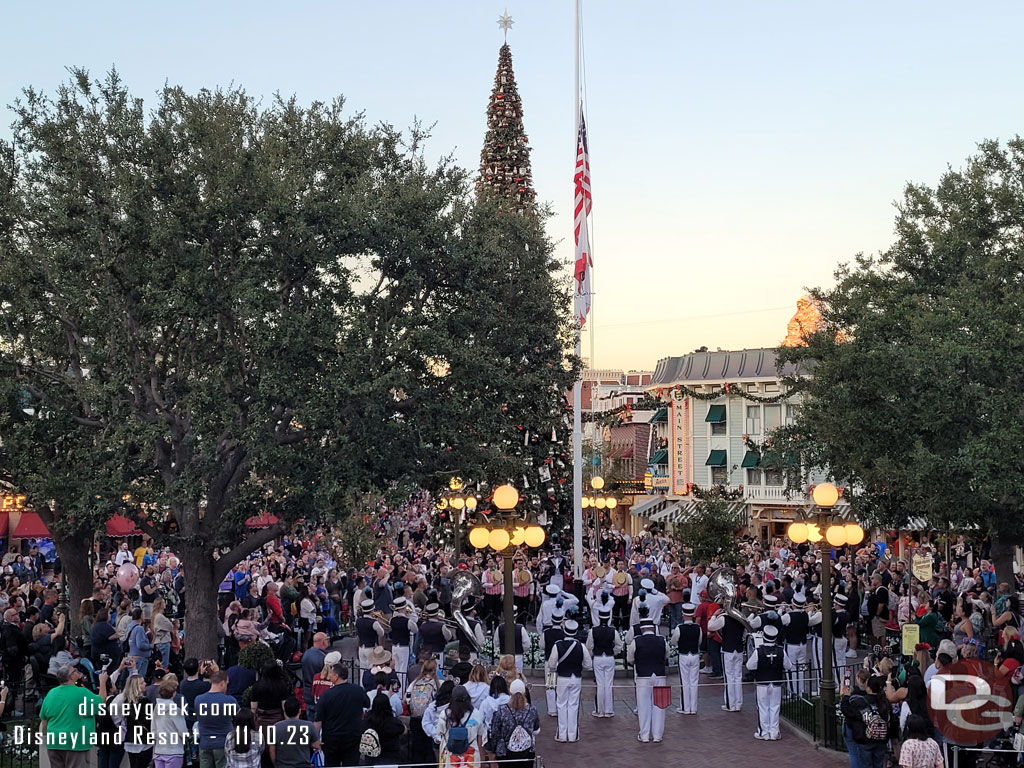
x=19, y=755
x=803, y=709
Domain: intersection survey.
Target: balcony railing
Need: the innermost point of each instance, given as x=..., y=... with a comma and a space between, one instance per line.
x=773, y=493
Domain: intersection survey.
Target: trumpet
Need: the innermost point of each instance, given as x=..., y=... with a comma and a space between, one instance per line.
x=381, y=618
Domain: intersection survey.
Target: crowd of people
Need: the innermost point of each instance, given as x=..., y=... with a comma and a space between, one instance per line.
x=431, y=676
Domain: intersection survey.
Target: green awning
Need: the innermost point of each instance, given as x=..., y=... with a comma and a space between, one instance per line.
x=751, y=459
x=716, y=459
x=659, y=457
x=660, y=416
x=716, y=414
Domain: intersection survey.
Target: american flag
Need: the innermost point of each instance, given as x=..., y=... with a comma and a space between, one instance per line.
x=583, y=204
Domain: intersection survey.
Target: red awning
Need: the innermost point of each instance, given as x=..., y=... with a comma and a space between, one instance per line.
x=30, y=527
x=5, y=524
x=119, y=526
x=261, y=521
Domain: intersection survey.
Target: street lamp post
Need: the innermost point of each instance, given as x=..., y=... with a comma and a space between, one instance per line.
x=825, y=496
x=456, y=501
x=504, y=536
x=598, y=501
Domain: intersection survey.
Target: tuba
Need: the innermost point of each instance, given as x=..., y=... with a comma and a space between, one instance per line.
x=465, y=586
x=722, y=588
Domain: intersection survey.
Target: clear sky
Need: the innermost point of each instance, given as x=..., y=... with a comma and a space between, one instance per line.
x=739, y=150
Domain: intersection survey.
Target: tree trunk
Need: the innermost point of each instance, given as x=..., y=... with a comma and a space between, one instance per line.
x=201, y=616
x=74, y=551
x=1003, y=551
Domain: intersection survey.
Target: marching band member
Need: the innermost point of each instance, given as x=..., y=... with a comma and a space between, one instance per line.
x=476, y=627
x=434, y=634
x=522, y=586
x=555, y=599
x=493, y=581
x=548, y=638
x=604, y=645
x=569, y=657
x=794, y=630
x=522, y=642
x=369, y=633
x=622, y=594
x=648, y=653
x=654, y=600
x=559, y=568
x=601, y=601
x=687, y=637
x=840, y=620
x=731, y=630
x=403, y=627
x=769, y=663
x=814, y=650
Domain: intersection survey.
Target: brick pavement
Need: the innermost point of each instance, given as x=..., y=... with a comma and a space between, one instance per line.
x=713, y=738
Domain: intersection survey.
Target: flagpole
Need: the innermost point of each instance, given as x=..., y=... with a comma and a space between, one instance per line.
x=577, y=388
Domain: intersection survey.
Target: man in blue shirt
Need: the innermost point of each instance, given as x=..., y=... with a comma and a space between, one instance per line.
x=214, y=712
x=139, y=647
x=242, y=579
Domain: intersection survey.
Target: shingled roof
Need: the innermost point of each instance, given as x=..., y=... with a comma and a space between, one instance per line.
x=745, y=364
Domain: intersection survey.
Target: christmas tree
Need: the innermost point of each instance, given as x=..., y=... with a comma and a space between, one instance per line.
x=505, y=159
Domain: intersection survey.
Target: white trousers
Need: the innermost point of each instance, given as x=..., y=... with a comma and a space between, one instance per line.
x=551, y=695
x=769, y=700
x=814, y=662
x=652, y=718
x=732, y=669
x=689, y=676
x=519, y=663
x=604, y=676
x=839, y=646
x=568, y=695
x=798, y=677
x=401, y=655
x=364, y=660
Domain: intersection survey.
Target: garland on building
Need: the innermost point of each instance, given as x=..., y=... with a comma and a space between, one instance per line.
x=623, y=413
x=681, y=391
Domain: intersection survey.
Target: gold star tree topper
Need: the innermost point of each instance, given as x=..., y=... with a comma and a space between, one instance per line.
x=505, y=23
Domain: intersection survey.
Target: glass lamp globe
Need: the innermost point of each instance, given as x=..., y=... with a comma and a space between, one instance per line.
x=506, y=497
x=825, y=495
x=854, y=534
x=499, y=539
x=518, y=535
x=458, y=502
x=534, y=536
x=600, y=502
x=797, y=533
x=597, y=483
x=471, y=502
x=814, y=533
x=611, y=502
x=836, y=535
x=479, y=536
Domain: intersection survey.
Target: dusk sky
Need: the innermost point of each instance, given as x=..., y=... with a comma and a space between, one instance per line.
x=739, y=150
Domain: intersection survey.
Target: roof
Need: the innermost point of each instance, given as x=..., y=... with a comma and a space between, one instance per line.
x=718, y=366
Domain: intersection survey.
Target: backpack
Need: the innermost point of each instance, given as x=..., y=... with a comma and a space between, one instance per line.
x=458, y=739
x=521, y=739
x=875, y=728
x=369, y=743
x=420, y=695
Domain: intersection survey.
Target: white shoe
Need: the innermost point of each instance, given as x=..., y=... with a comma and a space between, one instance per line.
x=705, y=670
x=776, y=737
x=759, y=737
x=642, y=740
x=851, y=654
x=680, y=711
x=726, y=708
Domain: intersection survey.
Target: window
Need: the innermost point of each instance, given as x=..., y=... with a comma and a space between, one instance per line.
x=751, y=387
x=719, y=475
x=717, y=428
x=771, y=387
x=753, y=419
x=792, y=411
x=773, y=477
x=772, y=417
x=753, y=477
x=716, y=418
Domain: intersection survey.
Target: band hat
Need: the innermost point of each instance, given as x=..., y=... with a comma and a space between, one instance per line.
x=646, y=625
x=840, y=600
x=689, y=609
x=647, y=584
x=770, y=632
x=604, y=613
x=367, y=604
x=432, y=609
x=799, y=599
x=552, y=590
x=570, y=627
x=556, y=617
x=380, y=656
x=771, y=601
x=332, y=658
x=398, y=602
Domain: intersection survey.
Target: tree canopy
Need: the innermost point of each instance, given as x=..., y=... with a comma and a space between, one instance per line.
x=226, y=309
x=914, y=378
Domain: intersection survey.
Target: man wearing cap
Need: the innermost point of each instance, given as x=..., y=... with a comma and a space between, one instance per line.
x=769, y=663
x=795, y=628
x=648, y=653
x=403, y=628
x=687, y=637
x=434, y=635
x=840, y=620
x=653, y=599
x=369, y=633
x=554, y=599
x=731, y=630
x=568, y=658
x=547, y=640
x=522, y=640
x=604, y=645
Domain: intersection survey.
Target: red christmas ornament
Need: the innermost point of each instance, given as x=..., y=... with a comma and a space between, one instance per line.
x=501, y=96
